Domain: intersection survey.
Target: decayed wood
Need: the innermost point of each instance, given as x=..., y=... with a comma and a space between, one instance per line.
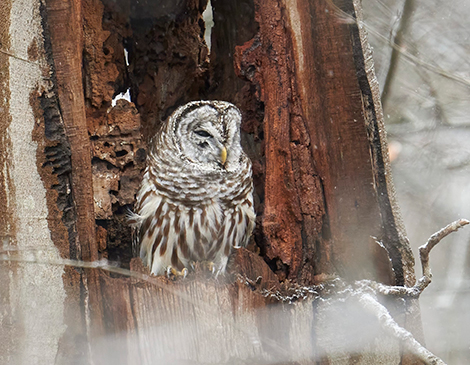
x=238, y=320
x=168, y=58
x=200, y=319
x=394, y=238
x=326, y=109
x=292, y=185
x=394, y=235
x=118, y=156
x=309, y=65
x=321, y=163
x=64, y=24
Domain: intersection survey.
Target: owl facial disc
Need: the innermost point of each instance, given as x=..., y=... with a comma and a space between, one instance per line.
x=210, y=132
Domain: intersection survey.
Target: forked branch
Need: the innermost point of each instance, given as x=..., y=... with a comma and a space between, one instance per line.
x=424, y=251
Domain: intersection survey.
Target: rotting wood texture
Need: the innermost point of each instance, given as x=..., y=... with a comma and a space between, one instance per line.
x=310, y=126
x=321, y=161
x=64, y=25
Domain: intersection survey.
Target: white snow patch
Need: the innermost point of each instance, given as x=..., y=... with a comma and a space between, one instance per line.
x=126, y=56
x=125, y=96
x=208, y=18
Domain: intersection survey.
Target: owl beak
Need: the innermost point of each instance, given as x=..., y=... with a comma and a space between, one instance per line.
x=223, y=155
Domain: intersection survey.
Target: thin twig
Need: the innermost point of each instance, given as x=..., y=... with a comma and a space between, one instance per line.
x=426, y=249
x=100, y=264
x=15, y=56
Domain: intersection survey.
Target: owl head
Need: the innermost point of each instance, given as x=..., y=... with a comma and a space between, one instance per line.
x=207, y=134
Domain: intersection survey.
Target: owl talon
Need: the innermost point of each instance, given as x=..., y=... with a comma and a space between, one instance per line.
x=205, y=266
x=211, y=266
x=171, y=272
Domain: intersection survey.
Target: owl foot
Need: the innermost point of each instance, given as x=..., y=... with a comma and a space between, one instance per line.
x=209, y=265
x=202, y=266
x=171, y=272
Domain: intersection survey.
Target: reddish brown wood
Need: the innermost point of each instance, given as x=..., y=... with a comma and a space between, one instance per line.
x=331, y=102
x=318, y=159
x=323, y=192
x=65, y=27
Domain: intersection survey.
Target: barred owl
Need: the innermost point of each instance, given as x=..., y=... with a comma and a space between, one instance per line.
x=196, y=198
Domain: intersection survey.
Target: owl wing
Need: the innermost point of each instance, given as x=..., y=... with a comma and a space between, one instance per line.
x=236, y=230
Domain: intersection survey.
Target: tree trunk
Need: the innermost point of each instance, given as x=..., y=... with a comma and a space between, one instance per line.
x=302, y=74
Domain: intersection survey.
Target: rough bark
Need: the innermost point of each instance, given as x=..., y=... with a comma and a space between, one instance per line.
x=32, y=297
x=326, y=157
x=65, y=27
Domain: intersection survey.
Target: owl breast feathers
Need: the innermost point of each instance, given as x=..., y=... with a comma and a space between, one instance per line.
x=196, y=198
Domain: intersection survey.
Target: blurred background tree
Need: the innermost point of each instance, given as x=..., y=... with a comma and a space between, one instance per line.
x=421, y=54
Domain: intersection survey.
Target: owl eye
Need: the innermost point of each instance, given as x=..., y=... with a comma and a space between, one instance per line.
x=202, y=133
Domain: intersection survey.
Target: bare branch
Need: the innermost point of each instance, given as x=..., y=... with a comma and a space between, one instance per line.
x=398, y=291
x=417, y=289
x=391, y=327
x=426, y=249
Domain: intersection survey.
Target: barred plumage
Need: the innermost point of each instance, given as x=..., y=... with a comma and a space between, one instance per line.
x=196, y=198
